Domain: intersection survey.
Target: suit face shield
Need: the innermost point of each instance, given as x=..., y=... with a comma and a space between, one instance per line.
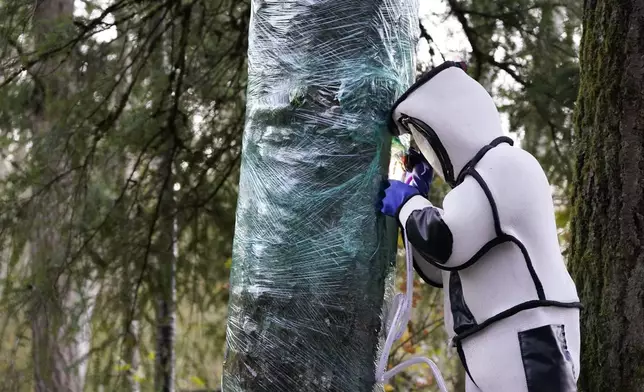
x=428, y=152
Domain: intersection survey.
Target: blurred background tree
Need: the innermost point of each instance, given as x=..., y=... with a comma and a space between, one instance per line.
x=132, y=111
x=120, y=130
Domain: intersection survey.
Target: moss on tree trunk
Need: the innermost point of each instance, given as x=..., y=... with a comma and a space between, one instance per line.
x=607, y=259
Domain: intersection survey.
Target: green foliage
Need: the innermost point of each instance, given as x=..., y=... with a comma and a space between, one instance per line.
x=167, y=73
x=525, y=52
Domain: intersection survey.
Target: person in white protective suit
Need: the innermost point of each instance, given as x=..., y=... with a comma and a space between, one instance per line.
x=511, y=307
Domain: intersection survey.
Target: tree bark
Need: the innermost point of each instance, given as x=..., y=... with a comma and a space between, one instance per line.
x=166, y=271
x=607, y=250
x=173, y=61
x=62, y=303
x=311, y=251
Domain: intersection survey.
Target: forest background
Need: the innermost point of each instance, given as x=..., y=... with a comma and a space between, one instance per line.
x=120, y=140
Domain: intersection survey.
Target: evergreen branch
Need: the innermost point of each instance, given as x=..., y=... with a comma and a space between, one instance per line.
x=456, y=10
x=425, y=34
x=152, y=228
x=516, y=12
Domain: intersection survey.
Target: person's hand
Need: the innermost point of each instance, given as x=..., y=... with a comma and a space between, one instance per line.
x=397, y=193
x=412, y=158
x=420, y=177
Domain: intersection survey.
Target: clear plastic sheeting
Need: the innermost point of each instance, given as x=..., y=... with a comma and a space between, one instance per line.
x=312, y=254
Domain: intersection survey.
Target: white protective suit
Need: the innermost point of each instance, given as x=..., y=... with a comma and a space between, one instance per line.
x=511, y=308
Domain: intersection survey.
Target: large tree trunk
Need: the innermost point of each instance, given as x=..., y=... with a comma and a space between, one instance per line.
x=607, y=259
x=62, y=304
x=311, y=252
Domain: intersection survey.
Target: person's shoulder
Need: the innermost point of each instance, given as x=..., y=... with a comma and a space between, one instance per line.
x=512, y=157
x=507, y=163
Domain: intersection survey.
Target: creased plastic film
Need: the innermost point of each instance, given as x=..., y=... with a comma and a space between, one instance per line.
x=312, y=254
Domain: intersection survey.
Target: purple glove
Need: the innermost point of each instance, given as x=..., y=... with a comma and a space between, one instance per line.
x=397, y=194
x=420, y=178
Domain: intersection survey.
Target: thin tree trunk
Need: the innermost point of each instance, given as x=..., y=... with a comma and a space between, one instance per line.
x=607, y=250
x=131, y=344
x=62, y=303
x=311, y=252
x=166, y=245
x=166, y=260
x=131, y=350
x=132, y=355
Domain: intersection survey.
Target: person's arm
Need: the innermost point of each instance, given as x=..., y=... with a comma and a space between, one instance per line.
x=451, y=237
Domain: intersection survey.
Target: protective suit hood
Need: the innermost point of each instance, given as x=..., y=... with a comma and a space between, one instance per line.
x=451, y=118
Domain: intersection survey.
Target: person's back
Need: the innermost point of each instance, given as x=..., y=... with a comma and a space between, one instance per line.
x=532, y=263
x=520, y=283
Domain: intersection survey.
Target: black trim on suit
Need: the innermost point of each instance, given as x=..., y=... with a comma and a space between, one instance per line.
x=421, y=80
x=514, y=310
x=436, y=257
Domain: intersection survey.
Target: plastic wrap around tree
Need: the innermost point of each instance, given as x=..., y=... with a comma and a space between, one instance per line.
x=312, y=254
